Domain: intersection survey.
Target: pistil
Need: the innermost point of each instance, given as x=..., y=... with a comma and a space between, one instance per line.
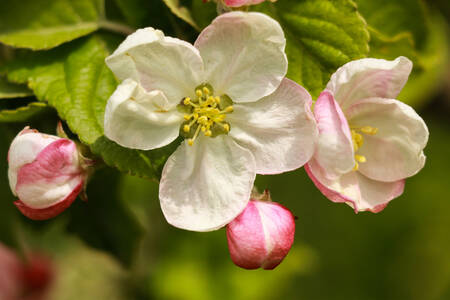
x=206, y=113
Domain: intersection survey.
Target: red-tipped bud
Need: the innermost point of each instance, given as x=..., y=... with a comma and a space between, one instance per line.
x=261, y=236
x=45, y=173
x=237, y=3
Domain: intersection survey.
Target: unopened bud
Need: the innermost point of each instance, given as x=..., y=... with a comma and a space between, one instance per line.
x=45, y=173
x=261, y=236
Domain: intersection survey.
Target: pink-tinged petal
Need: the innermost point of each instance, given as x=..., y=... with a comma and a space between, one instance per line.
x=280, y=129
x=261, y=236
x=246, y=239
x=205, y=186
x=49, y=212
x=23, y=150
x=369, y=77
x=158, y=62
x=355, y=189
x=238, y=3
x=334, y=149
x=138, y=119
x=243, y=55
x=396, y=151
x=54, y=174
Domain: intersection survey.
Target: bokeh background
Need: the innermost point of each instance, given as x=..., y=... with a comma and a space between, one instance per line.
x=119, y=246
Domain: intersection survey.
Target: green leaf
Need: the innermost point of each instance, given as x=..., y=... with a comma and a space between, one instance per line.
x=74, y=80
x=321, y=35
x=181, y=12
x=22, y=114
x=393, y=17
x=46, y=24
x=11, y=90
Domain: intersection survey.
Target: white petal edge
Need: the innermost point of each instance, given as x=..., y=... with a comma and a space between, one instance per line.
x=158, y=62
x=23, y=150
x=138, y=119
x=243, y=55
x=205, y=186
x=355, y=189
x=279, y=130
x=369, y=77
x=396, y=151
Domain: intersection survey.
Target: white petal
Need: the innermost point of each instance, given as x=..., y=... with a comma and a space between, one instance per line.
x=243, y=55
x=334, y=150
x=23, y=150
x=138, y=119
x=369, y=77
x=205, y=186
x=395, y=152
x=279, y=130
x=355, y=189
x=158, y=62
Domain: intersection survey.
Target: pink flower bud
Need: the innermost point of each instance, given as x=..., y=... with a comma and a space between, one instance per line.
x=28, y=279
x=44, y=173
x=261, y=236
x=237, y=3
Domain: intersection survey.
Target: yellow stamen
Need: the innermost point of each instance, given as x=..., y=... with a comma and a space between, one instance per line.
x=206, y=113
x=356, y=167
x=360, y=158
x=369, y=130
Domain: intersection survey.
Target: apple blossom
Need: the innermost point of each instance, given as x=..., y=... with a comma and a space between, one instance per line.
x=237, y=3
x=368, y=141
x=45, y=173
x=227, y=96
x=261, y=236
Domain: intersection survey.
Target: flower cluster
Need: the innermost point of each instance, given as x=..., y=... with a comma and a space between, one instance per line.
x=228, y=98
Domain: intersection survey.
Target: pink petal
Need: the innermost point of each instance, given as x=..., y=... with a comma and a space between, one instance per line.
x=261, y=236
x=334, y=149
x=353, y=188
x=52, y=177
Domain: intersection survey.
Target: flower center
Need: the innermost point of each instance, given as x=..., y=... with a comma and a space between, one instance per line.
x=205, y=114
x=358, y=141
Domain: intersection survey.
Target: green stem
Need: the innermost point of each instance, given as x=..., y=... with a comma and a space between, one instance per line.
x=116, y=27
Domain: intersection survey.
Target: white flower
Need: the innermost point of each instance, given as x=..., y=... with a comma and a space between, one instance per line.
x=228, y=97
x=368, y=141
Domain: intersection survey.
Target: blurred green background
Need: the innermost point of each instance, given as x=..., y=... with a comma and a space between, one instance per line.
x=119, y=246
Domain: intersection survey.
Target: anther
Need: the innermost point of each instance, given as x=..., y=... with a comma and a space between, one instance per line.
x=360, y=158
x=199, y=93
x=187, y=101
x=229, y=109
x=187, y=117
x=186, y=128
x=356, y=167
x=369, y=130
x=206, y=90
x=190, y=142
x=208, y=133
x=226, y=127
